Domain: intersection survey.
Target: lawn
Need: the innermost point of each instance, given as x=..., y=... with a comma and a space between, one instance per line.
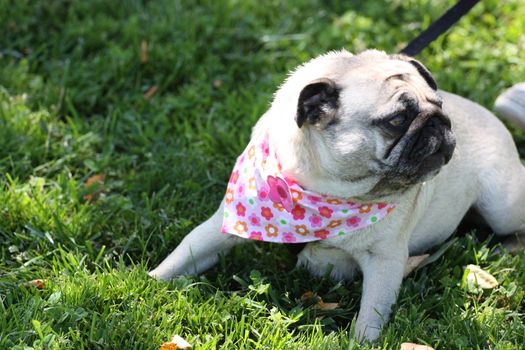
x=119, y=125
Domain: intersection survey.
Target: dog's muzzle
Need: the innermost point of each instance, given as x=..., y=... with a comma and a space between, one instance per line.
x=427, y=145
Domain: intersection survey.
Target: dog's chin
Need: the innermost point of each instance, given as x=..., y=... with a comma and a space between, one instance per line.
x=404, y=177
x=427, y=169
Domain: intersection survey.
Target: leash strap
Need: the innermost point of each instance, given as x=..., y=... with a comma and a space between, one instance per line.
x=439, y=27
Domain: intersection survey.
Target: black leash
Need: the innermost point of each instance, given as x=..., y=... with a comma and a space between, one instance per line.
x=440, y=26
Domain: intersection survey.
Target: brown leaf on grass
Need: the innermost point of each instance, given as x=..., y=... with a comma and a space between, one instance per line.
x=319, y=303
x=177, y=342
x=98, y=178
x=38, y=283
x=143, y=52
x=413, y=262
x=307, y=295
x=217, y=83
x=414, y=346
x=151, y=91
x=481, y=277
x=93, y=187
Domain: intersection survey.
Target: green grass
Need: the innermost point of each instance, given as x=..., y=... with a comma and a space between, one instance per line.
x=72, y=106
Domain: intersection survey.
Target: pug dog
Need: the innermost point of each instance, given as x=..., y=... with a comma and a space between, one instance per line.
x=365, y=160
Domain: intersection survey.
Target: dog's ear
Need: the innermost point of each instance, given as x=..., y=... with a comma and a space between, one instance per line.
x=422, y=70
x=425, y=73
x=317, y=101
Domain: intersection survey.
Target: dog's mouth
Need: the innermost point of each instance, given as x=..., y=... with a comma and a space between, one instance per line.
x=422, y=151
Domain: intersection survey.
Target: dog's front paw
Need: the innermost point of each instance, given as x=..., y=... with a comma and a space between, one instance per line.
x=370, y=321
x=367, y=332
x=158, y=275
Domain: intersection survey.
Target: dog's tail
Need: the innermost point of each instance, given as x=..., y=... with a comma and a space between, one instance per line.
x=510, y=105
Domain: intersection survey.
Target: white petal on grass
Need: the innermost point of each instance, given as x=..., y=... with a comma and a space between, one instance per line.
x=177, y=342
x=481, y=277
x=413, y=346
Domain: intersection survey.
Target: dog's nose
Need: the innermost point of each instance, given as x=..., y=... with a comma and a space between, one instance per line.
x=440, y=124
x=437, y=118
x=432, y=136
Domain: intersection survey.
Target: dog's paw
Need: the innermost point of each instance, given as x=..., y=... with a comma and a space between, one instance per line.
x=367, y=332
x=158, y=275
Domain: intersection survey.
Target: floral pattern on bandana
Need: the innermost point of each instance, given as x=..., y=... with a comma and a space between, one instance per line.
x=263, y=204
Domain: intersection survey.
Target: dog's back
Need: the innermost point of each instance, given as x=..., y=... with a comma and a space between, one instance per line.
x=485, y=172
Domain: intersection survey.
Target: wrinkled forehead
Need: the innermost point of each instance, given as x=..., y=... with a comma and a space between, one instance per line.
x=379, y=74
x=382, y=85
x=385, y=68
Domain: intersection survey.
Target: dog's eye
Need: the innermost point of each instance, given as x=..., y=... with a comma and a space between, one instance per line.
x=398, y=120
x=396, y=123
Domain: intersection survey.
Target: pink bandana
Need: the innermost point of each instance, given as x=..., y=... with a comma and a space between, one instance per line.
x=263, y=204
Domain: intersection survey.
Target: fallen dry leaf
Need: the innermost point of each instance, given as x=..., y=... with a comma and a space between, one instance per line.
x=143, y=52
x=38, y=283
x=177, y=342
x=94, y=186
x=99, y=178
x=414, y=346
x=168, y=346
x=307, y=295
x=413, y=262
x=217, y=83
x=321, y=305
x=151, y=91
x=481, y=277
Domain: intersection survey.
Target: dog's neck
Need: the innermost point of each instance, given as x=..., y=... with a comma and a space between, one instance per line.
x=260, y=194
x=301, y=161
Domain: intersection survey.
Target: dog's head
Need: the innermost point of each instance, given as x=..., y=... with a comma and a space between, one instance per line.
x=374, y=117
